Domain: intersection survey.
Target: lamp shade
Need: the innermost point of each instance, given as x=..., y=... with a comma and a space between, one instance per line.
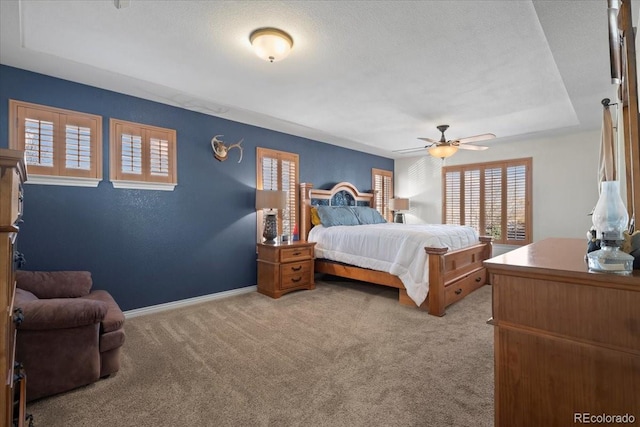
x=271, y=199
x=399, y=204
x=443, y=151
x=271, y=44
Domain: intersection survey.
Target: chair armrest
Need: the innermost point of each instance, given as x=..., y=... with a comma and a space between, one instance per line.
x=60, y=313
x=55, y=284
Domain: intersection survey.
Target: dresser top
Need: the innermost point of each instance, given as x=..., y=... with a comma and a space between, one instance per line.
x=560, y=257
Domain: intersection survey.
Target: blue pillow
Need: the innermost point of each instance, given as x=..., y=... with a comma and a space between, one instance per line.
x=337, y=215
x=367, y=215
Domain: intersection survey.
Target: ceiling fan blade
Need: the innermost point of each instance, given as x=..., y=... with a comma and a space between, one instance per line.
x=472, y=147
x=411, y=150
x=430, y=140
x=475, y=138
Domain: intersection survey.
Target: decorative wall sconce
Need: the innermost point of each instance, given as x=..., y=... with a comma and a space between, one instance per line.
x=221, y=151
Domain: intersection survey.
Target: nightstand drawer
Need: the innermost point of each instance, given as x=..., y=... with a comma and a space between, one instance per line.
x=295, y=279
x=295, y=254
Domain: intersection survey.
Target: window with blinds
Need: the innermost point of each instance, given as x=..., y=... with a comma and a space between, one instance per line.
x=279, y=170
x=494, y=198
x=61, y=147
x=142, y=156
x=382, y=183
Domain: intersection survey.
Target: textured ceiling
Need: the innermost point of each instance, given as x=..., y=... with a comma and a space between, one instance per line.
x=372, y=76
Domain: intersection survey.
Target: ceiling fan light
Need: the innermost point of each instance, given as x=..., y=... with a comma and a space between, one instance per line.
x=271, y=44
x=443, y=151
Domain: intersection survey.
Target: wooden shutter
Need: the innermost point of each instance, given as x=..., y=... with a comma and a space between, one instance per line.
x=143, y=153
x=38, y=128
x=472, y=198
x=57, y=142
x=516, y=204
x=493, y=203
x=279, y=170
x=382, y=183
x=452, y=198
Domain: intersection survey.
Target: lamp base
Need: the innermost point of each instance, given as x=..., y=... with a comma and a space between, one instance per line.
x=398, y=217
x=270, y=231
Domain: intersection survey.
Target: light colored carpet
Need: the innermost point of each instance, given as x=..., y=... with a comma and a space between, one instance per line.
x=345, y=354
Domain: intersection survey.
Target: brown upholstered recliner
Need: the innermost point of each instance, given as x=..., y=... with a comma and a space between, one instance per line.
x=70, y=336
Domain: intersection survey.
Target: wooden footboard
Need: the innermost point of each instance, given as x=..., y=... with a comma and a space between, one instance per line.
x=453, y=275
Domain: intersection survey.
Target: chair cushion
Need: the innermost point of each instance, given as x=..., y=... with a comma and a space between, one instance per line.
x=23, y=296
x=114, y=318
x=55, y=284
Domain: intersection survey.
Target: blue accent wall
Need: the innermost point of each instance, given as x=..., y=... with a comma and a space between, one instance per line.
x=151, y=247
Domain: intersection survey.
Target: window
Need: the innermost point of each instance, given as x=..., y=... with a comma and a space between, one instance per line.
x=382, y=183
x=494, y=198
x=278, y=170
x=62, y=147
x=142, y=156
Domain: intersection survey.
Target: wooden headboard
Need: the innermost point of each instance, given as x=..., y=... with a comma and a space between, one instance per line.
x=342, y=194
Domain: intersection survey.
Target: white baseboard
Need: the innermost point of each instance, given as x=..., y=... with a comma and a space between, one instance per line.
x=186, y=302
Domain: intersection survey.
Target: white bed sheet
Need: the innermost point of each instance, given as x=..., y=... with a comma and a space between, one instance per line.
x=397, y=249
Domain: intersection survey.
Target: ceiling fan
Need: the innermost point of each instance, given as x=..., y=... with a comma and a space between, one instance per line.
x=445, y=148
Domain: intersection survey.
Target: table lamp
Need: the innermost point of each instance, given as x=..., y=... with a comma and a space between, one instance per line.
x=270, y=199
x=397, y=205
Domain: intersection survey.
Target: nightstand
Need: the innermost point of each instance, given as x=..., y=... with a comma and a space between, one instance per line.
x=285, y=267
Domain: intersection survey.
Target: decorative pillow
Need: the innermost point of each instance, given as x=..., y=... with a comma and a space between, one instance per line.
x=367, y=215
x=55, y=284
x=315, y=219
x=337, y=215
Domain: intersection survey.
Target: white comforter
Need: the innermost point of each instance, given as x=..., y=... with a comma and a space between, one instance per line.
x=397, y=249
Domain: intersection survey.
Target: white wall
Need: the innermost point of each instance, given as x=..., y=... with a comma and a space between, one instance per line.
x=565, y=184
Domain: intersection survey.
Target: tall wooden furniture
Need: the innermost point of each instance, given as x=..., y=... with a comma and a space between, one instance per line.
x=567, y=341
x=13, y=387
x=285, y=267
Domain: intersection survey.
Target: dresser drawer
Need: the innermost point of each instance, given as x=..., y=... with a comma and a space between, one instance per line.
x=296, y=253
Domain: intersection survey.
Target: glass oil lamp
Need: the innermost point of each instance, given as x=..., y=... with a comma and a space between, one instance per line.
x=610, y=219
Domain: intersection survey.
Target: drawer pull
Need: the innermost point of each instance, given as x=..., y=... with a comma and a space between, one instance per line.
x=458, y=291
x=18, y=316
x=479, y=278
x=296, y=279
x=297, y=253
x=298, y=268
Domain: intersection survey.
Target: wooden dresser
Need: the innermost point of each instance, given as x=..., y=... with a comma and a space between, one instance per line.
x=13, y=388
x=567, y=341
x=285, y=267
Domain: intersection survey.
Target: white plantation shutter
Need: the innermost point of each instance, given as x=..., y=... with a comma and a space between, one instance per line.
x=452, y=197
x=494, y=198
x=57, y=143
x=278, y=170
x=382, y=183
x=144, y=154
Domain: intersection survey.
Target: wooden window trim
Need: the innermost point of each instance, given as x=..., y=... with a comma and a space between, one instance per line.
x=281, y=156
x=58, y=173
x=503, y=164
x=145, y=180
x=383, y=206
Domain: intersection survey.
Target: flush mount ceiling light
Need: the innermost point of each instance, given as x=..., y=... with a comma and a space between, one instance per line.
x=271, y=44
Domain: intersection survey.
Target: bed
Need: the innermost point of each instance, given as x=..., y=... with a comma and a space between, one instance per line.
x=449, y=274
